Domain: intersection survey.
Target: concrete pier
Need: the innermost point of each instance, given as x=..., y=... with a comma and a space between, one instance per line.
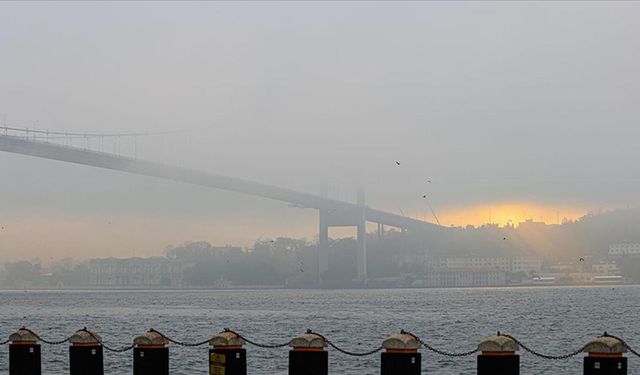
x=308, y=356
x=604, y=357
x=24, y=353
x=227, y=355
x=85, y=353
x=401, y=355
x=150, y=354
x=498, y=356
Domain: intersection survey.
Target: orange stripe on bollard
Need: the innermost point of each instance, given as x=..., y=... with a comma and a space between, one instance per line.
x=605, y=355
x=401, y=351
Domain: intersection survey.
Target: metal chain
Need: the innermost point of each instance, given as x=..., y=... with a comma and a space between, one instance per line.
x=5, y=342
x=48, y=342
x=343, y=351
x=180, y=343
x=264, y=346
x=629, y=348
x=441, y=352
x=119, y=350
x=331, y=344
x=545, y=356
x=364, y=354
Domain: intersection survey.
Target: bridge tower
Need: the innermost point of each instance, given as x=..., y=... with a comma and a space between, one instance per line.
x=353, y=218
x=362, y=237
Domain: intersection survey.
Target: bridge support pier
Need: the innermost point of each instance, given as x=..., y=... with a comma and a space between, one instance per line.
x=362, y=249
x=323, y=245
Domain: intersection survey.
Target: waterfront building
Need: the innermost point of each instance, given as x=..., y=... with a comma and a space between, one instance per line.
x=514, y=264
x=624, y=249
x=135, y=272
x=605, y=267
x=464, y=277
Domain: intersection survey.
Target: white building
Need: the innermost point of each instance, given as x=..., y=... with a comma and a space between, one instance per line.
x=622, y=249
x=515, y=264
x=135, y=272
x=464, y=277
x=607, y=268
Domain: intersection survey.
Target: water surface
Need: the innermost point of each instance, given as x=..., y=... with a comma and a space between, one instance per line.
x=553, y=320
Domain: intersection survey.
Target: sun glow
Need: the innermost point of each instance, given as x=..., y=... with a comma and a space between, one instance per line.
x=510, y=214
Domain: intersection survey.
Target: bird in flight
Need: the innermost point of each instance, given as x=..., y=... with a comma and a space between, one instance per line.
x=397, y=162
x=424, y=196
x=504, y=238
x=429, y=181
x=581, y=259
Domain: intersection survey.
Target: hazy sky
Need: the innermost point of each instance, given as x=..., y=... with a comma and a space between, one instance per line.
x=510, y=109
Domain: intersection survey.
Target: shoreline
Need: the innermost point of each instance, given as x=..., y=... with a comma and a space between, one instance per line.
x=257, y=288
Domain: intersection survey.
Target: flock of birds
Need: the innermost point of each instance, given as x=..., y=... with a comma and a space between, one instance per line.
x=425, y=197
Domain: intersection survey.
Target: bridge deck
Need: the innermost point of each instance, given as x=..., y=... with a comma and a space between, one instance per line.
x=76, y=155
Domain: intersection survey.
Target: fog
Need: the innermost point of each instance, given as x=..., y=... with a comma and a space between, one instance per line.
x=529, y=104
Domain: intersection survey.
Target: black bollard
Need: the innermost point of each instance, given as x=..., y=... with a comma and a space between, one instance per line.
x=85, y=354
x=401, y=355
x=308, y=356
x=150, y=354
x=605, y=357
x=227, y=355
x=24, y=353
x=498, y=356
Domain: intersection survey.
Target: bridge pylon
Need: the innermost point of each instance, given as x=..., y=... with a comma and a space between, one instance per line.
x=323, y=244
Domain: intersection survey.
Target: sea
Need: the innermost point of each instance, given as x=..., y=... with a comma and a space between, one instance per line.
x=550, y=320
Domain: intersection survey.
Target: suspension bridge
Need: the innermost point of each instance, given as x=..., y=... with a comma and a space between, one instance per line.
x=104, y=150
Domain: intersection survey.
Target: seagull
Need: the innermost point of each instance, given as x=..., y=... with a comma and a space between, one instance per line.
x=424, y=196
x=397, y=162
x=301, y=270
x=581, y=259
x=429, y=181
x=504, y=238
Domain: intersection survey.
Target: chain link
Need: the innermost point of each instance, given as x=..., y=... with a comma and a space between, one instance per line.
x=363, y=354
x=264, y=346
x=48, y=342
x=629, y=348
x=343, y=351
x=441, y=352
x=180, y=343
x=99, y=340
x=545, y=356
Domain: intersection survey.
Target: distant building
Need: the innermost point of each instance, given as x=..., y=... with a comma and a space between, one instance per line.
x=135, y=272
x=607, y=268
x=514, y=264
x=196, y=251
x=463, y=277
x=624, y=249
